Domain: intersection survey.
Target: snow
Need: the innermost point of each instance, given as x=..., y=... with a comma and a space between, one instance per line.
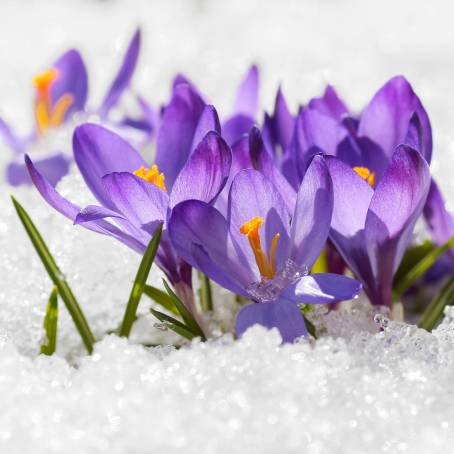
x=354, y=390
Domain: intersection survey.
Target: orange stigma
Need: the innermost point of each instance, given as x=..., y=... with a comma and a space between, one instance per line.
x=152, y=175
x=366, y=175
x=48, y=114
x=265, y=264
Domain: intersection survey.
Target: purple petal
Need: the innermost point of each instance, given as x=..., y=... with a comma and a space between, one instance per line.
x=14, y=142
x=200, y=235
x=97, y=152
x=205, y=173
x=72, y=79
x=70, y=210
x=396, y=205
x=387, y=117
x=53, y=166
x=94, y=212
x=176, y=134
x=329, y=104
x=123, y=77
x=140, y=202
x=263, y=162
x=438, y=218
x=323, y=288
x=283, y=315
x=236, y=126
x=314, y=133
x=209, y=121
x=247, y=96
x=254, y=195
x=281, y=124
x=312, y=219
x=352, y=196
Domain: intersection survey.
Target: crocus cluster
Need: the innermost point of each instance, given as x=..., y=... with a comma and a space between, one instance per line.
x=253, y=201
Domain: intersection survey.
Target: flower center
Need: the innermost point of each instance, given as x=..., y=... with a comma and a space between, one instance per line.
x=152, y=175
x=48, y=114
x=366, y=175
x=265, y=264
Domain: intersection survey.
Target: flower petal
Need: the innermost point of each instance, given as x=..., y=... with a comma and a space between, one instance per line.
x=438, y=218
x=323, y=288
x=247, y=96
x=283, y=315
x=123, y=76
x=70, y=210
x=312, y=218
x=396, y=205
x=200, y=235
x=72, y=79
x=140, y=202
x=205, y=173
x=176, y=134
x=236, y=126
x=329, y=104
x=254, y=195
x=97, y=152
x=208, y=121
x=95, y=212
x=53, y=166
x=387, y=117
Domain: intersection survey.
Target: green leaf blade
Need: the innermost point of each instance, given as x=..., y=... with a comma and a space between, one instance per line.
x=56, y=276
x=433, y=313
x=140, y=282
x=50, y=324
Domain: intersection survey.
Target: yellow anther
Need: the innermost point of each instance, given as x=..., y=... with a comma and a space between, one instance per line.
x=366, y=175
x=266, y=265
x=152, y=175
x=46, y=114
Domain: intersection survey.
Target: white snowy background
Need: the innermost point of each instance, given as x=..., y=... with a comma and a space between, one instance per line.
x=389, y=392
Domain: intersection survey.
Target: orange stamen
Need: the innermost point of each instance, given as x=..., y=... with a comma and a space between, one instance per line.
x=46, y=115
x=152, y=175
x=366, y=175
x=265, y=265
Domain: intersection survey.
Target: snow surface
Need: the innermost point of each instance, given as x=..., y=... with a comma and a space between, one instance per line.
x=355, y=390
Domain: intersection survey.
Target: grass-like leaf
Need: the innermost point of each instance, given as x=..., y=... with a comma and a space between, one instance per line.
x=206, y=298
x=420, y=268
x=189, y=320
x=56, y=276
x=161, y=298
x=50, y=324
x=434, y=310
x=174, y=324
x=139, y=282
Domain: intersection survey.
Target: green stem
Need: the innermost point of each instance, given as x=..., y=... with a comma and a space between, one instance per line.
x=206, y=298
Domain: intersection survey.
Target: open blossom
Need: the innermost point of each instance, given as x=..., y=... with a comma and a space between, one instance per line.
x=260, y=252
x=60, y=92
x=137, y=197
x=372, y=225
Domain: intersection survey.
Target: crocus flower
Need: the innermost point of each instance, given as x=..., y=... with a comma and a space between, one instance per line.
x=245, y=106
x=60, y=92
x=367, y=142
x=372, y=224
x=137, y=197
x=260, y=252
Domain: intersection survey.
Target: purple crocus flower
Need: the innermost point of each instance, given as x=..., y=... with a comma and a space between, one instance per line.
x=245, y=106
x=260, y=252
x=372, y=226
x=136, y=197
x=367, y=142
x=61, y=91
